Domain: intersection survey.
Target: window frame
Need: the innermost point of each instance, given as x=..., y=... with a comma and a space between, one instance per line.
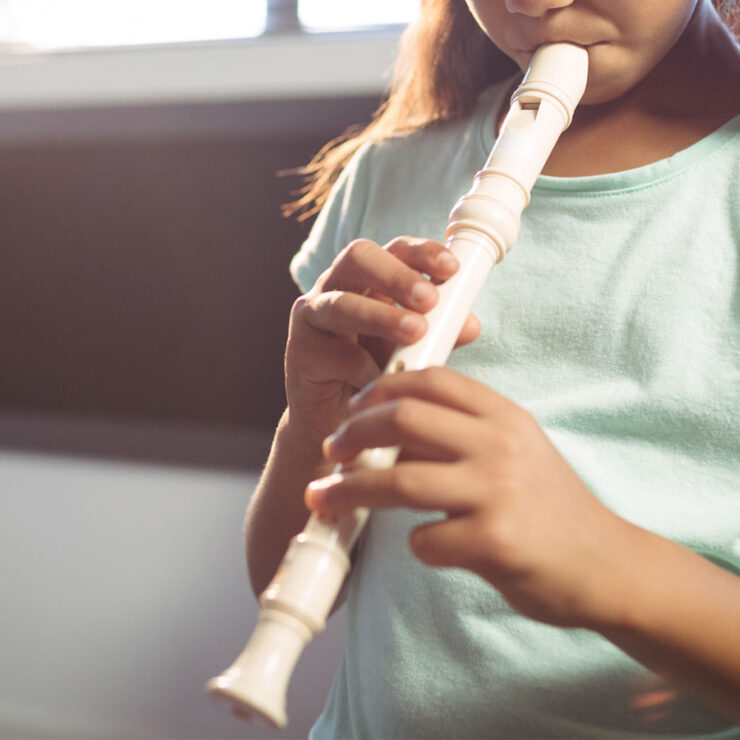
x=282, y=18
x=196, y=72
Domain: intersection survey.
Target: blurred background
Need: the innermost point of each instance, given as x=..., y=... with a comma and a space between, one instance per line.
x=144, y=298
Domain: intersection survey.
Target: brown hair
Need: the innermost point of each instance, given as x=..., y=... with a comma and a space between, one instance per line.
x=730, y=12
x=444, y=63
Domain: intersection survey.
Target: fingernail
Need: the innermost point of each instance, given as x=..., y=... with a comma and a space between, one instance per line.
x=315, y=497
x=326, y=445
x=447, y=260
x=412, y=325
x=317, y=491
x=423, y=292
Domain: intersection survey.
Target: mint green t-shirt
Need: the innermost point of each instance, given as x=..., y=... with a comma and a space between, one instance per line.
x=615, y=320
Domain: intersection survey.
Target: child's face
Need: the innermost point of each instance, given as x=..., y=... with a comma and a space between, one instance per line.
x=625, y=38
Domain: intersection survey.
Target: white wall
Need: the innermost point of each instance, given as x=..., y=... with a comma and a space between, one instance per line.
x=123, y=590
x=124, y=586
x=280, y=67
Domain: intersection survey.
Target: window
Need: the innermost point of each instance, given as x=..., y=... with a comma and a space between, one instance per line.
x=60, y=24
x=48, y=25
x=334, y=15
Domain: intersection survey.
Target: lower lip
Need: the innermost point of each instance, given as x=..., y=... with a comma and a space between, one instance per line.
x=585, y=46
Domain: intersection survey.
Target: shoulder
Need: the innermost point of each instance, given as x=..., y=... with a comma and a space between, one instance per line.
x=441, y=139
x=434, y=165
x=731, y=132
x=400, y=185
x=723, y=164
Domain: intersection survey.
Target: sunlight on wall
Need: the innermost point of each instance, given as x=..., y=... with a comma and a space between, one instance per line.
x=321, y=15
x=69, y=24
x=51, y=24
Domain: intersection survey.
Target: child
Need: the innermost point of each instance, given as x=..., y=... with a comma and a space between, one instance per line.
x=573, y=476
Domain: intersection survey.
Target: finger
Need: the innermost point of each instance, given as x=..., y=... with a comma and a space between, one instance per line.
x=438, y=385
x=364, y=265
x=423, y=429
x=415, y=485
x=368, y=293
x=380, y=349
x=321, y=357
x=426, y=256
x=470, y=331
x=341, y=312
x=452, y=543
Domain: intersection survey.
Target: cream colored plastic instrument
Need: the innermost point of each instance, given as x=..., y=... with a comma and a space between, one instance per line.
x=483, y=227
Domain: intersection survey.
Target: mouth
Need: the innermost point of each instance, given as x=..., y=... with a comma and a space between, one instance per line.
x=588, y=47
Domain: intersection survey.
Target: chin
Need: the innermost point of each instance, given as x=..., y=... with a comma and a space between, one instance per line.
x=600, y=94
x=607, y=89
x=611, y=75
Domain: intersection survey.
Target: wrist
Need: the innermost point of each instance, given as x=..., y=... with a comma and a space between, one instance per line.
x=298, y=441
x=627, y=584
x=658, y=586
x=680, y=621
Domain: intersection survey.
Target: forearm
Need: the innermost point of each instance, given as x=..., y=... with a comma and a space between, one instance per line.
x=681, y=619
x=277, y=511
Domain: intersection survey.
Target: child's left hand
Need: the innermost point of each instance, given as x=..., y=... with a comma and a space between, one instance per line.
x=517, y=514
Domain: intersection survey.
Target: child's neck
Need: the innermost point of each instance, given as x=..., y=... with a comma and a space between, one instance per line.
x=689, y=95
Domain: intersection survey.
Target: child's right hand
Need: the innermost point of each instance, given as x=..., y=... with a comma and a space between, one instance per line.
x=343, y=330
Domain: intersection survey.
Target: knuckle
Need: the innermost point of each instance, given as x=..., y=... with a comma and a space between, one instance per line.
x=403, y=414
x=370, y=395
x=399, y=280
x=346, y=431
x=328, y=306
x=522, y=427
x=502, y=536
x=357, y=249
x=434, y=378
x=299, y=305
x=434, y=248
x=332, y=300
x=398, y=244
x=509, y=444
x=406, y=481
